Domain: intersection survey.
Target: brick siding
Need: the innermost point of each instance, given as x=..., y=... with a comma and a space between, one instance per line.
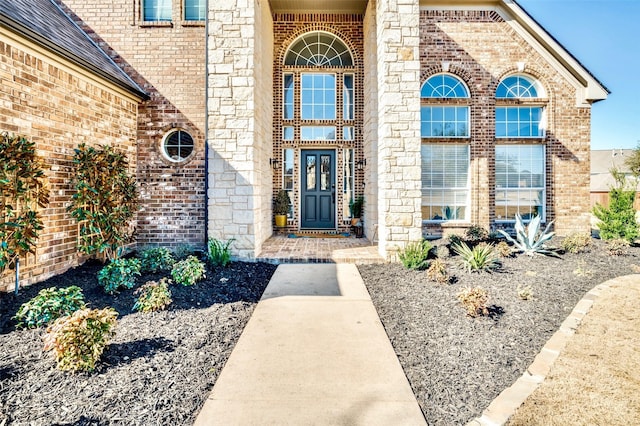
x=58, y=108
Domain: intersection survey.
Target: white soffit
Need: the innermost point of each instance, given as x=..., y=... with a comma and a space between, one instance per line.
x=318, y=6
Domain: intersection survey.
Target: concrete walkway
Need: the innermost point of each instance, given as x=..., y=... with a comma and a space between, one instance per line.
x=313, y=353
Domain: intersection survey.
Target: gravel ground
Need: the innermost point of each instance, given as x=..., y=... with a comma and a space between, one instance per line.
x=457, y=364
x=159, y=368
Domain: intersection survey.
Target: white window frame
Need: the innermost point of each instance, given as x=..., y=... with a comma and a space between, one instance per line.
x=542, y=189
x=444, y=189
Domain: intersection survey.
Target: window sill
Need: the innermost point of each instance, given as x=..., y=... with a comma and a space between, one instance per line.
x=192, y=23
x=156, y=24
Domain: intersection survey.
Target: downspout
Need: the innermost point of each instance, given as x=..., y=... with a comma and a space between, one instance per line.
x=206, y=125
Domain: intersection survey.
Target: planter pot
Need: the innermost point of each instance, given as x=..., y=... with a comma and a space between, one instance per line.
x=281, y=220
x=355, y=221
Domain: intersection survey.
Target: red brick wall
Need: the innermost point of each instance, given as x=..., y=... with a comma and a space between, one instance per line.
x=168, y=61
x=349, y=28
x=481, y=49
x=59, y=108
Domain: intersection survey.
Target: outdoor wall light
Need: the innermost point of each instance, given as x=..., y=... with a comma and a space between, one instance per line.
x=274, y=163
x=360, y=164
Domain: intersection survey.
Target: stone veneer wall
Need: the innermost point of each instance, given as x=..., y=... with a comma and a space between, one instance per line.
x=167, y=59
x=370, y=120
x=58, y=106
x=399, y=161
x=481, y=48
x=240, y=46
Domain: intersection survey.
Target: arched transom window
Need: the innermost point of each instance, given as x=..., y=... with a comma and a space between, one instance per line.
x=317, y=49
x=519, y=86
x=444, y=86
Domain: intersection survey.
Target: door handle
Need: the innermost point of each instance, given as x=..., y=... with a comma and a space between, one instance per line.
x=333, y=193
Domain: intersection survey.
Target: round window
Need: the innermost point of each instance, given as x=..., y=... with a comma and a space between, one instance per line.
x=178, y=145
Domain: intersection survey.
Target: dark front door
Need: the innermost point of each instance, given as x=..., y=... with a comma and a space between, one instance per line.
x=318, y=189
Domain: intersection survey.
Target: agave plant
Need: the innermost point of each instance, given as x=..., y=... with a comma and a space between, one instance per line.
x=530, y=240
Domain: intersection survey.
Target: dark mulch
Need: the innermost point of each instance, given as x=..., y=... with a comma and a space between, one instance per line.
x=158, y=370
x=457, y=364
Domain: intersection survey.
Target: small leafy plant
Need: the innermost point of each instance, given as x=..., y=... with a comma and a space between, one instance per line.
x=474, y=300
x=189, y=271
x=504, y=249
x=476, y=233
x=442, y=252
x=618, y=247
x=437, y=271
x=154, y=296
x=414, y=255
x=356, y=206
x=183, y=250
x=577, y=242
x=49, y=305
x=480, y=258
x=78, y=340
x=525, y=293
x=119, y=273
x=530, y=240
x=156, y=259
x=218, y=252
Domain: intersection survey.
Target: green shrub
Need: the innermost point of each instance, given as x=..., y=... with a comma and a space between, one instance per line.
x=476, y=233
x=119, y=273
x=188, y=271
x=437, y=271
x=154, y=296
x=414, y=255
x=78, y=340
x=49, y=305
x=480, y=258
x=618, y=247
x=156, y=259
x=530, y=240
x=218, y=253
x=619, y=219
x=105, y=200
x=454, y=239
x=474, y=300
x=577, y=242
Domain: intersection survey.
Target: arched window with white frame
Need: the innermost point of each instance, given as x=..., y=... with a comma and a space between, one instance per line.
x=514, y=118
x=445, y=120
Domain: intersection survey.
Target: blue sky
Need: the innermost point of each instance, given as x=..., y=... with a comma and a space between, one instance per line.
x=604, y=35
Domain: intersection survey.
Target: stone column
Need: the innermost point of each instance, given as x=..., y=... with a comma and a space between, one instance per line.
x=399, y=161
x=239, y=120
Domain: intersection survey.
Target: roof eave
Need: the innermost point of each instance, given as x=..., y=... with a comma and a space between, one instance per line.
x=594, y=90
x=36, y=38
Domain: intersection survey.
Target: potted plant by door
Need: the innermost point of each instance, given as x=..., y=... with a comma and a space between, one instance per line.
x=355, y=207
x=281, y=204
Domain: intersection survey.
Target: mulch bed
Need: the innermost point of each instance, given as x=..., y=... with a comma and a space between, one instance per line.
x=457, y=364
x=159, y=368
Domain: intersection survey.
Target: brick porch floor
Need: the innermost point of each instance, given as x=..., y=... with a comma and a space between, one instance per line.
x=282, y=249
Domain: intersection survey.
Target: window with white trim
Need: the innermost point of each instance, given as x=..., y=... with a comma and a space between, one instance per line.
x=195, y=10
x=519, y=121
x=156, y=10
x=177, y=145
x=318, y=48
x=445, y=182
x=439, y=117
x=520, y=182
